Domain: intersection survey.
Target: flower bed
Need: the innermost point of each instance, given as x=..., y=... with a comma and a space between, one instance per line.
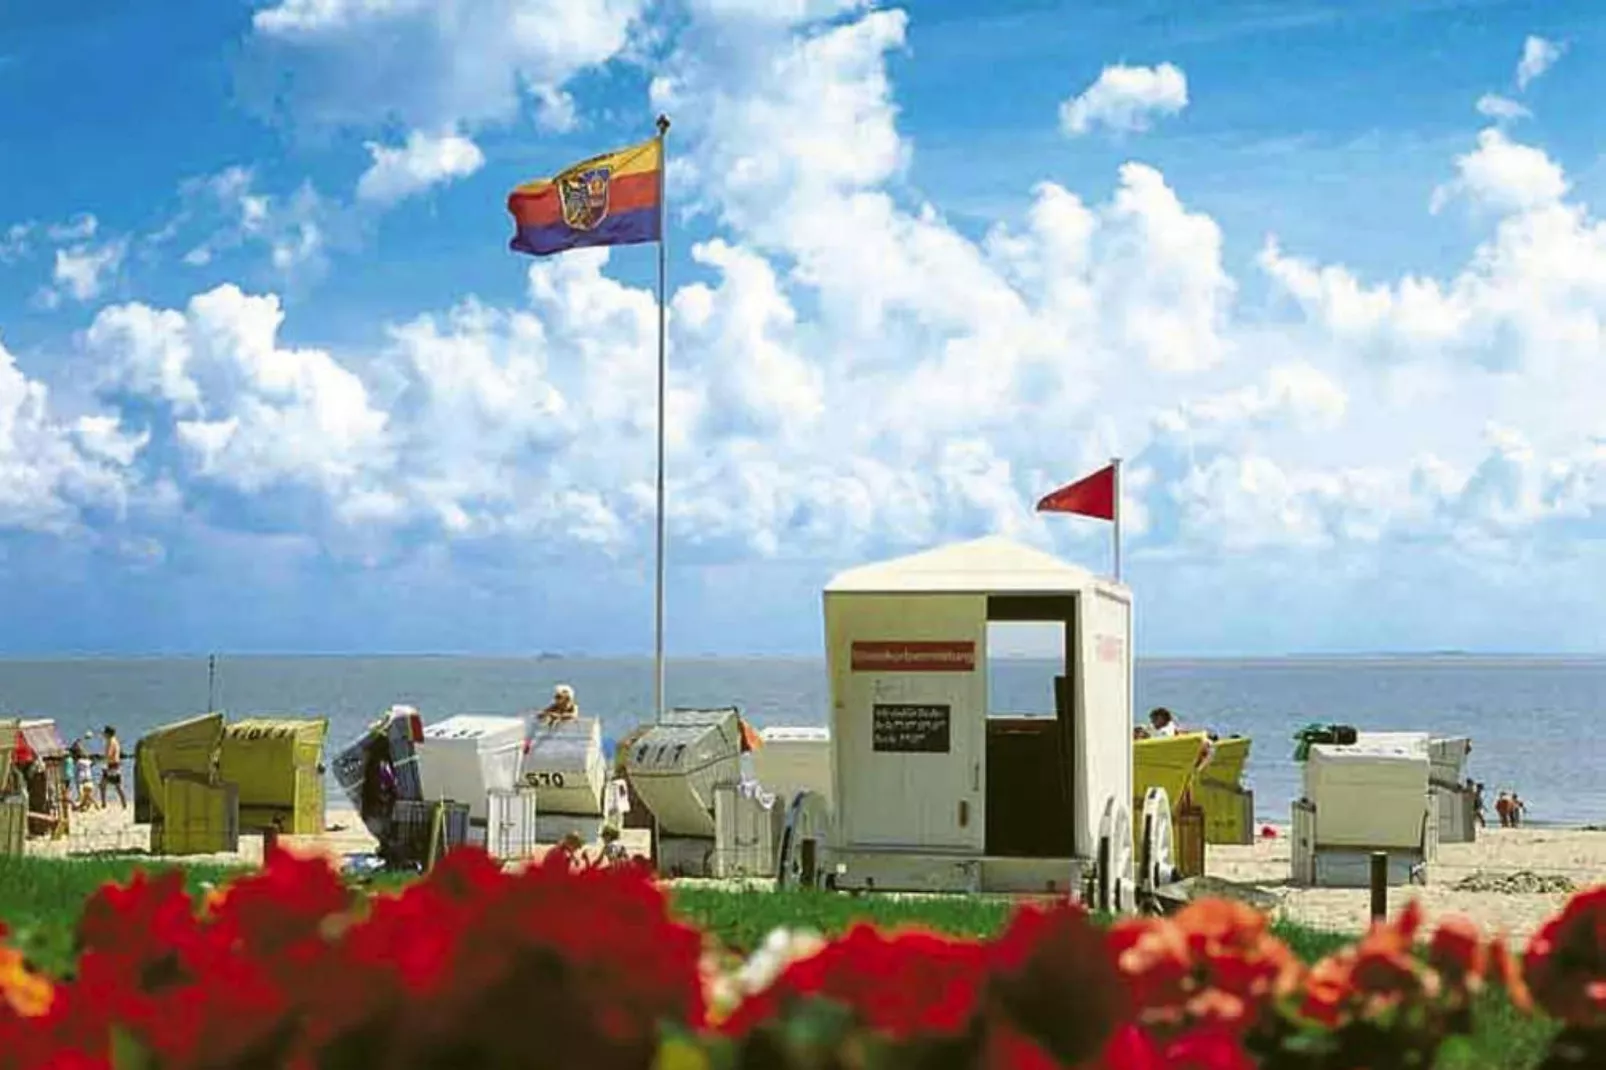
x=589, y=968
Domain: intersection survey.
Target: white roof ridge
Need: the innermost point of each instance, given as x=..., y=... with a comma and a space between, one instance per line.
x=992, y=563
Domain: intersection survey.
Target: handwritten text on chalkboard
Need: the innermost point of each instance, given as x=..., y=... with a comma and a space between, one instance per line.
x=909, y=729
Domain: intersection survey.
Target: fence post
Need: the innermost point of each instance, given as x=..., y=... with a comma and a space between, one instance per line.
x=1380, y=885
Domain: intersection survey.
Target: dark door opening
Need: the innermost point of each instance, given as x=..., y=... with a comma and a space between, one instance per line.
x=1030, y=809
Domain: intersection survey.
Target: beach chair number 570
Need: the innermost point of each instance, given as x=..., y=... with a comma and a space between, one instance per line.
x=545, y=780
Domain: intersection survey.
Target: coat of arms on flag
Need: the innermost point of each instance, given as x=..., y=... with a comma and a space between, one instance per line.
x=583, y=193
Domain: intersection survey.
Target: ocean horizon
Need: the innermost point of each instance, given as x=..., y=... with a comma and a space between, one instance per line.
x=1525, y=714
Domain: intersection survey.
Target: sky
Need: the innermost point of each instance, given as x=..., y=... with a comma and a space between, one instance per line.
x=1326, y=276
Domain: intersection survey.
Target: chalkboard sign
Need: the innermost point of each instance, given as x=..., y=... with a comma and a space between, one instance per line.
x=909, y=729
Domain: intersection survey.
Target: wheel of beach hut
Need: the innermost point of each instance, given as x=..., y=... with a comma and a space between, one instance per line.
x=807, y=818
x=1104, y=860
x=1156, y=857
x=1116, y=889
x=1124, y=892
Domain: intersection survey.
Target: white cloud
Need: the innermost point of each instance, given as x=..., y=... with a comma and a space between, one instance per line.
x=1538, y=56
x=1503, y=176
x=445, y=64
x=1501, y=109
x=81, y=271
x=249, y=413
x=47, y=480
x=14, y=244
x=291, y=17
x=80, y=228
x=422, y=162
x=785, y=12
x=1126, y=99
x=855, y=374
x=292, y=231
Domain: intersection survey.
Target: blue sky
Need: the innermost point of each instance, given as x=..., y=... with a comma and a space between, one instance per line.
x=1328, y=276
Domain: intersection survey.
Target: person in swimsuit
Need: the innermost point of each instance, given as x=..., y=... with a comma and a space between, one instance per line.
x=562, y=708
x=113, y=776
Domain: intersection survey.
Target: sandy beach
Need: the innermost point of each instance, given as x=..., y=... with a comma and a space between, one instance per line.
x=1466, y=879
x=112, y=831
x=1487, y=881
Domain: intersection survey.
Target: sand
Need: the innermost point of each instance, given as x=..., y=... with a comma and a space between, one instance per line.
x=1579, y=855
x=112, y=832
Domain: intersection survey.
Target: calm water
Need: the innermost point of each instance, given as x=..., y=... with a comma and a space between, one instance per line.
x=1535, y=724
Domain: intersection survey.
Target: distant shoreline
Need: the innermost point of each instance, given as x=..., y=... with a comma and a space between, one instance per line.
x=1430, y=657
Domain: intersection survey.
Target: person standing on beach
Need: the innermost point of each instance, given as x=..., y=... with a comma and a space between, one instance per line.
x=82, y=768
x=112, y=777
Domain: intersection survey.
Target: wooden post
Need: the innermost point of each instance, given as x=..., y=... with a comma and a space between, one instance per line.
x=1106, y=879
x=1380, y=885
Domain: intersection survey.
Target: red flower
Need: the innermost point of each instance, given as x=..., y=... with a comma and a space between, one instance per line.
x=1457, y=951
x=1054, y=978
x=1006, y=1048
x=590, y=962
x=900, y=984
x=1216, y=961
x=1206, y=1049
x=1565, y=964
x=183, y=989
x=1381, y=972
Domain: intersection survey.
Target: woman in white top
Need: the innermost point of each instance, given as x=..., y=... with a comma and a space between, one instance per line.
x=1163, y=725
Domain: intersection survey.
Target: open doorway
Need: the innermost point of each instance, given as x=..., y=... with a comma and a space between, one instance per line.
x=1030, y=733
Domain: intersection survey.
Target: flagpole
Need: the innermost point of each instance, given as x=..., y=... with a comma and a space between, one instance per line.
x=663, y=370
x=1115, y=464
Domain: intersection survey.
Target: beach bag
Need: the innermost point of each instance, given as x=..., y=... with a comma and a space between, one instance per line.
x=1342, y=735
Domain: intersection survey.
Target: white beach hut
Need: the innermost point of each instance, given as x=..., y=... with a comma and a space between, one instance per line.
x=566, y=767
x=1368, y=796
x=794, y=758
x=930, y=791
x=467, y=757
x=1447, y=780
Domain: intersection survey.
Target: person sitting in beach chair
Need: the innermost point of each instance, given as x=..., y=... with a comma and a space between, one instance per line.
x=379, y=791
x=1162, y=724
x=562, y=708
x=613, y=852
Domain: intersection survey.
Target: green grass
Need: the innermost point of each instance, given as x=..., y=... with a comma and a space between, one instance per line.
x=40, y=901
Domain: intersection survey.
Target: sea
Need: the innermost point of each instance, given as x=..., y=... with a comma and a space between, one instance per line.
x=1535, y=723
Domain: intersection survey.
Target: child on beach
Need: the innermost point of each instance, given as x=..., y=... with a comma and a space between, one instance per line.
x=82, y=767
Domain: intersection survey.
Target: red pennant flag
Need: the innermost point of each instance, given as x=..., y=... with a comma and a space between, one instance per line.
x=1092, y=495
